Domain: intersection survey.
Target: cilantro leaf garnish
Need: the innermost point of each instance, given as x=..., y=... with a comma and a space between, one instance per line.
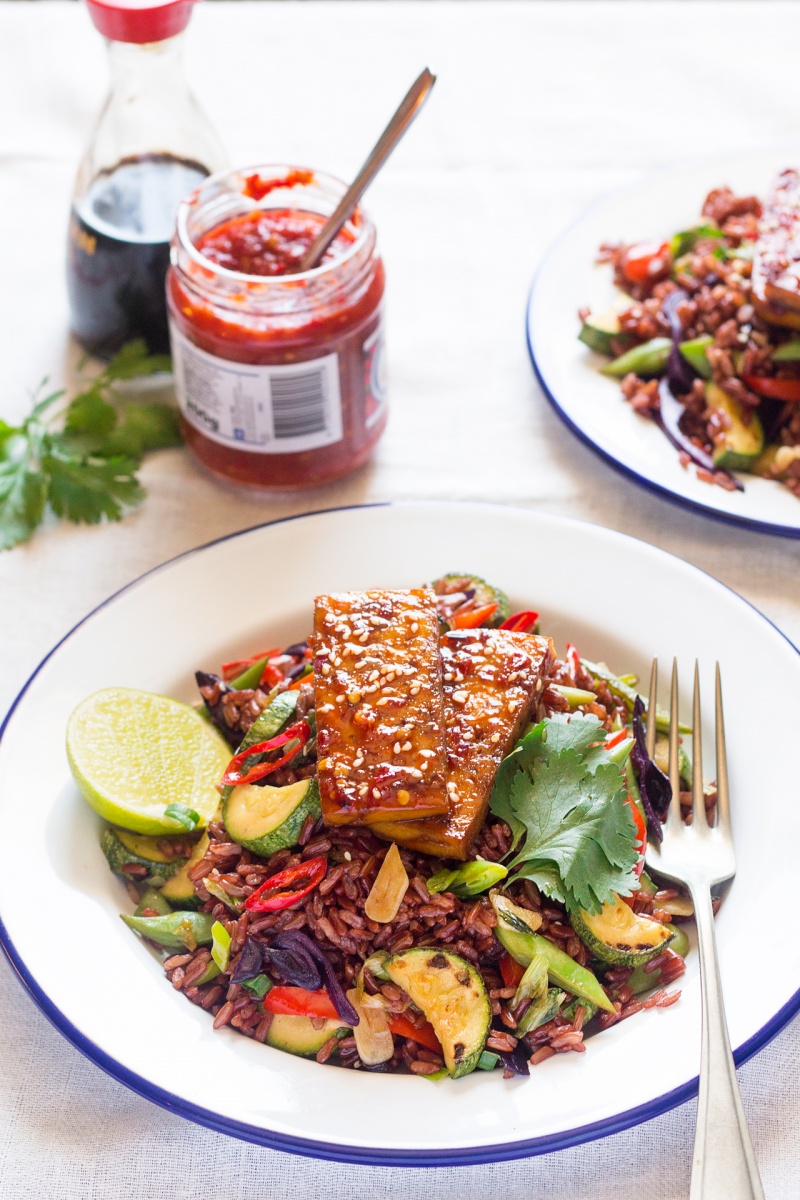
x=562, y=792
x=23, y=493
x=87, y=489
x=83, y=460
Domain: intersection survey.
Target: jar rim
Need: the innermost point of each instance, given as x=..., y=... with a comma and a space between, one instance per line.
x=364, y=226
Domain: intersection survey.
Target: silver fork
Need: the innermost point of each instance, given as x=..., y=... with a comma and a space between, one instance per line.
x=701, y=856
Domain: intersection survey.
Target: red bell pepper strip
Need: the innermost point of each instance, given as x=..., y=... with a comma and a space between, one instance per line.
x=288, y=887
x=614, y=739
x=300, y=733
x=573, y=660
x=298, y=1002
x=305, y=677
x=644, y=260
x=511, y=970
x=520, y=622
x=641, y=835
x=775, y=389
x=231, y=669
x=471, y=620
x=272, y=675
x=422, y=1034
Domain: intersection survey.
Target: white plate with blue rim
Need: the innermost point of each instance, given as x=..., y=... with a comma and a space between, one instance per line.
x=113, y=1002
x=591, y=404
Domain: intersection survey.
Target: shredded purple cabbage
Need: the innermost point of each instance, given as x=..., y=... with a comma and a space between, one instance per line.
x=288, y=957
x=515, y=1060
x=250, y=961
x=297, y=649
x=298, y=941
x=654, y=787
x=298, y=669
x=677, y=382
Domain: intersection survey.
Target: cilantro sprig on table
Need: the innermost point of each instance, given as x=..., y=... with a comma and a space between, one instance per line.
x=565, y=800
x=82, y=459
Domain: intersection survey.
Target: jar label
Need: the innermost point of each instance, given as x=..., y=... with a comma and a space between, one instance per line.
x=374, y=376
x=263, y=409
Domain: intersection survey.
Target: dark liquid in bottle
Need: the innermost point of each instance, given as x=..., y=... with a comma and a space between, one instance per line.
x=118, y=252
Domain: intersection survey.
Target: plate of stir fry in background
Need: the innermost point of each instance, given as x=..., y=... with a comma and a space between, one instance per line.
x=664, y=327
x=225, y=867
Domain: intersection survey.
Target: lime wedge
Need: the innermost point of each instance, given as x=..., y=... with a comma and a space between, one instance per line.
x=134, y=753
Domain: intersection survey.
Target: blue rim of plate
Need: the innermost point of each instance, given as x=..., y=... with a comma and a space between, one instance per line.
x=658, y=489
x=365, y=1156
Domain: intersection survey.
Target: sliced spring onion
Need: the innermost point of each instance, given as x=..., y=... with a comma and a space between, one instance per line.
x=375, y=964
x=540, y=1011
x=215, y=889
x=574, y=696
x=469, y=880
x=184, y=815
x=211, y=972
x=533, y=984
x=259, y=985
x=220, y=945
x=488, y=1061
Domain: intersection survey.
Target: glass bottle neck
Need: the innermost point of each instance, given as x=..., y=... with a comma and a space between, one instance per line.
x=137, y=69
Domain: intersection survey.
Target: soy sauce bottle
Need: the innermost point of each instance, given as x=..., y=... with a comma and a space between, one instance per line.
x=151, y=146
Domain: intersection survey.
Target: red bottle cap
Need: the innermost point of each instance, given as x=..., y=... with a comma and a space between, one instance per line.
x=140, y=20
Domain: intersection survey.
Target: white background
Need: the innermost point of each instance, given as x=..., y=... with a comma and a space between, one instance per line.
x=539, y=108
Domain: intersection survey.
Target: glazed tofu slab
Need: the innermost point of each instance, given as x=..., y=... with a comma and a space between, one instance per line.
x=379, y=707
x=776, y=263
x=492, y=680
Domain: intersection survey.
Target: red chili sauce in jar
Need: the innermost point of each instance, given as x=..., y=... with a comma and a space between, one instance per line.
x=278, y=374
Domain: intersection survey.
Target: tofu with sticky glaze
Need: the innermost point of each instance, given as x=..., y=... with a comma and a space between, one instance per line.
x=379, y=707
x=775, y=275
x=492, y=681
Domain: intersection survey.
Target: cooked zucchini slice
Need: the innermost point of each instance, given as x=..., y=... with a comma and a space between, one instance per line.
x=453, y=997
x=484, y=593
x=742, y=442
x=620, y=936
x=599, y=329
x=271, y=720
x=123, y=848
x=152, y=904
x=266, y=725
x=661, y=759
x=179, y=890
x=266, y=819
x=297, y=1035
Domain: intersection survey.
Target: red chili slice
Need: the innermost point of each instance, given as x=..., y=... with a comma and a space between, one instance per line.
x=308, y=875
x=472, y=619
x=300, y=733
x=520, y=622
x=776, y=389
x=230, y=670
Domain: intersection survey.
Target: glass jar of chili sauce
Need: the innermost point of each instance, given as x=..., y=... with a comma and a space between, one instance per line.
x=279, y=373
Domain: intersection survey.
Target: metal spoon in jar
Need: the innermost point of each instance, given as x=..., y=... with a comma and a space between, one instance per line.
x=409, y=107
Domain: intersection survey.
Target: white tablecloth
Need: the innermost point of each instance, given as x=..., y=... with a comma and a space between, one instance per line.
x=539, y=108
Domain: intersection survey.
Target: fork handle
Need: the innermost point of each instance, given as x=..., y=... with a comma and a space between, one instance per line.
x=723, y=1165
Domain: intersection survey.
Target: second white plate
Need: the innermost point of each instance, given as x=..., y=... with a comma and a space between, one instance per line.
x=592, y=405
